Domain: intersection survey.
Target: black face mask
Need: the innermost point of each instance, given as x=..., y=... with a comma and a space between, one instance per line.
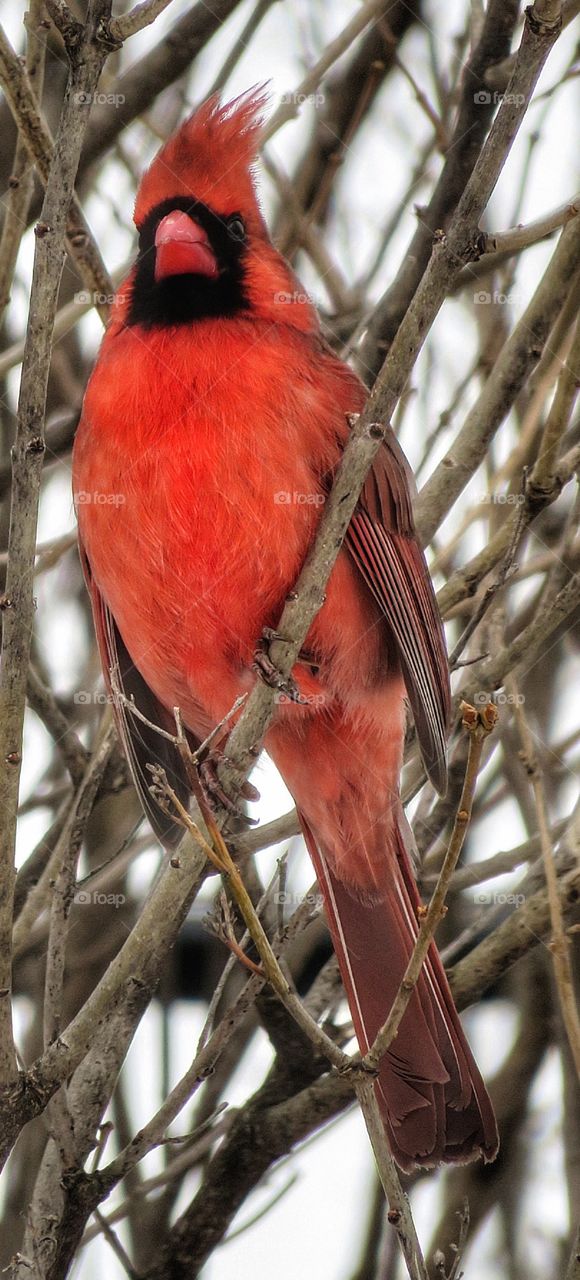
x=182, y=299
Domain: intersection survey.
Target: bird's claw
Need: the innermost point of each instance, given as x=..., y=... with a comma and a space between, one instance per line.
x=268, y=671
x=215, y=793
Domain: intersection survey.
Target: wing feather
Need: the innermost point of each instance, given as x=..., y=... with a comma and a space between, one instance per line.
x=142, y=744
x=382, y=541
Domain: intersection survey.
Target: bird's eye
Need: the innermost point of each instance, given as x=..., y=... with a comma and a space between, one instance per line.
x=236, y=228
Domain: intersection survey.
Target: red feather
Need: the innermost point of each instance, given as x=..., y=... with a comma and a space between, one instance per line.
x=209, y=157
x=382, y=541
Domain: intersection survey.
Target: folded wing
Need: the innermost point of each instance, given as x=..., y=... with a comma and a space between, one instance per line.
x=382, y=541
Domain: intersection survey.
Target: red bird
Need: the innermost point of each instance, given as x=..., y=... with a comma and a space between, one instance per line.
x=212, y=425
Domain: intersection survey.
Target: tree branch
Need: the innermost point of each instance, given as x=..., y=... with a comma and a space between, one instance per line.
x=27, y=467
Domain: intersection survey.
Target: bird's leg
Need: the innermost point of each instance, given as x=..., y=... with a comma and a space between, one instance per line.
x=208, y=761
x=268, y=671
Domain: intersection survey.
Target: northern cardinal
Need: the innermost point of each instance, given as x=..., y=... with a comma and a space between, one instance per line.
x=211, y=427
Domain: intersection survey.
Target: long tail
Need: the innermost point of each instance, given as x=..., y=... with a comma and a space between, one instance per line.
x=432, y=1098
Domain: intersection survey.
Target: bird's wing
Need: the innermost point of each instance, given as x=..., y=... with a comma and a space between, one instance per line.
x=143, y=745
x=382, y=541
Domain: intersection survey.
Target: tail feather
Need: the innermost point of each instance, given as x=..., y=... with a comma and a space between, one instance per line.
x=432, y=1098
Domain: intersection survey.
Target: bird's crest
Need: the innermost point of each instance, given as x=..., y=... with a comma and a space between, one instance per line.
x=210, y=157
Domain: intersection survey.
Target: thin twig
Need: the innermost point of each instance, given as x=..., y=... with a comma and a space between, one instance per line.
x=221, y=858
x=70, y=747
x=559, y=416
x=516, y=360
x=113, y=1240
x=518, y=238
x=63, y=885
x=399, y=1213
x=37, y=139
x=560, y=944
x=20, y=185
x=142, y=15
x=292, y=101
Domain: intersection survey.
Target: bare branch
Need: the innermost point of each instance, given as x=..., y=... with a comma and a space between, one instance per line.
x=36, y=138
x=27, y=468
x=559, y=945
x=142, y=15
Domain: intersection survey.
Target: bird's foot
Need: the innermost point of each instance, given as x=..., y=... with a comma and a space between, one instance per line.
x=215, y=793
x=268, y=671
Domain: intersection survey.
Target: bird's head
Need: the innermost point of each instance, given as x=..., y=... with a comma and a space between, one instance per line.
x=204, y=249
